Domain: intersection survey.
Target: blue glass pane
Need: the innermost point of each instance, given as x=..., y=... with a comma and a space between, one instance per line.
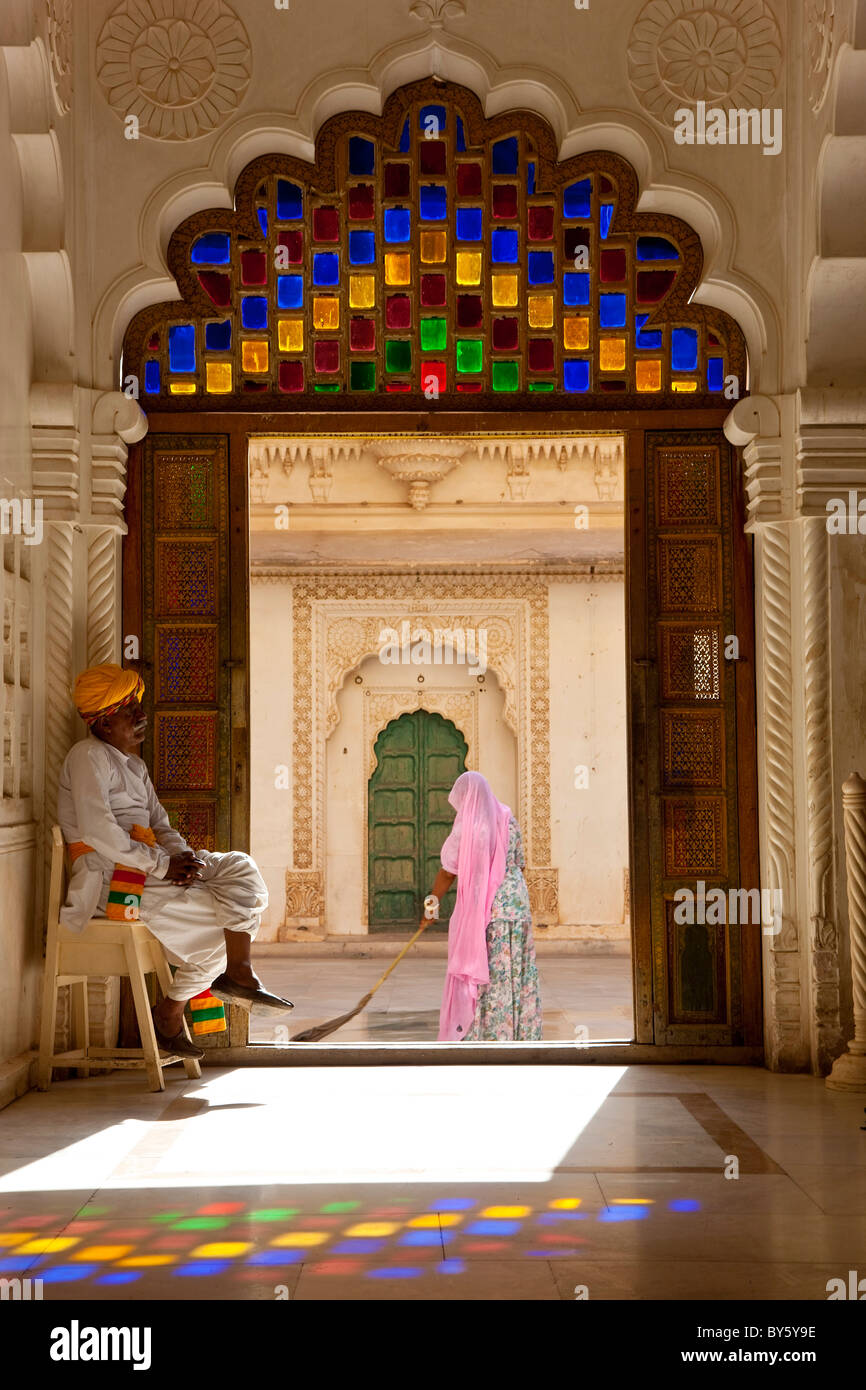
x=362, y=155
x=470, y=224
x=181, y=348
x=576, y=199
x=326, y=268
x=254, y=312
x=290, y=291
x=575, y=288
x=461, y=136
x=530, y=177
x=716, y=373
x=405, y=137
x=398, y=224
x=263, y=220
x=541, y=267
x=362, y=248
x=218, y=336
x=575, y=374
x=656, y=248
x=651, y=340
x=434, y=203
x=611, y=310
x=684, y=349
x=605, y=217
x=290, y=201
x=151, y=378
x=504, y=247
x=505, y=155
x=211, y=249
x=439, y=115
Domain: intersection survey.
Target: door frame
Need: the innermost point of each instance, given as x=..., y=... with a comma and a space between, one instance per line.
x=633, y=425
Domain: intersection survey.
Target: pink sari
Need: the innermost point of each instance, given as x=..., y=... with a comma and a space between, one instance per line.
x=475, y=851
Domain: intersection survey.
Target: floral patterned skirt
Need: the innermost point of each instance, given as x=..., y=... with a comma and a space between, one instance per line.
x=509, y=1008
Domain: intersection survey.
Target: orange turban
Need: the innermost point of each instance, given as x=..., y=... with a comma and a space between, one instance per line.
x=104, y=689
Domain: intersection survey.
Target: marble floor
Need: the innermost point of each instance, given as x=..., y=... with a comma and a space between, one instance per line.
x=435, y=1183
x=582, y=997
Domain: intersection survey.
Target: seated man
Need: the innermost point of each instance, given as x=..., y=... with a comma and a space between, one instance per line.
x=205, y=908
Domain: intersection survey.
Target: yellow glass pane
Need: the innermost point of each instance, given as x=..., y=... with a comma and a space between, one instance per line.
x=434, y=247
x=326, y=313
x=362, y=291
x=649, y=375
x=183, y=388
x=504, y=291
x=254, y=355
x=612, y=354
x=291, y=335
x=219, y=378
x=469, y=268
x=684, y=385
x=575, y=334
x=541, y=311
x=397, y=268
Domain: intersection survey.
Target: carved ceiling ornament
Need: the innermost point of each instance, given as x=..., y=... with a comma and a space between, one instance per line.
x=179, y=66
x=820, y=22
x=434, y=13
x=722, y=52
x=60, y=52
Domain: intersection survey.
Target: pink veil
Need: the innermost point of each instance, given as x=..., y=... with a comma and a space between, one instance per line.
x=475, y=851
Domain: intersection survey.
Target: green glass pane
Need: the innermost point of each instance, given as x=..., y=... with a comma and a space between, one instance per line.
x=434, y=334
x=541, y=386
x=362, y=376
x=398, y=355
x=470, y=355
x=506, y=376
x=329, y=386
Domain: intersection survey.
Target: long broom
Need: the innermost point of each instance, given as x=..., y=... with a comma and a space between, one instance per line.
x=323, y=1029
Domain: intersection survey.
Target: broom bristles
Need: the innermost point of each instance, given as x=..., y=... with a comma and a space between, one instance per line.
x=321, y=1030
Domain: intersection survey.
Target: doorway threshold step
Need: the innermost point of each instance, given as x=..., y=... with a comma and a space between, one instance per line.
x=387, y=944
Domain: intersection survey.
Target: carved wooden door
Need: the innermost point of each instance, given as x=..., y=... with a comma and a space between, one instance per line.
x=700, y=741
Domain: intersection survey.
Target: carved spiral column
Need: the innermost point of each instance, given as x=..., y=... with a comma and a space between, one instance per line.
x=819, y=805
x=782, y=963
x=849, y=1070
x=102, y=596
x=59, y=613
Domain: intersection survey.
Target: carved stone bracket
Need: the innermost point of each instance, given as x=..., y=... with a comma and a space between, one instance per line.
x=543, y=885
x=305, y=899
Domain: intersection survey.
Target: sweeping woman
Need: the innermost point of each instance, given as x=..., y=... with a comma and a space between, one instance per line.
x=491, y=985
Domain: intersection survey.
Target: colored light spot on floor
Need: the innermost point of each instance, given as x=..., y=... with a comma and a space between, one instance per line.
x=447, y=1219
x=431, y=1220
x=622, y=1214
x=87, y=1211
x=201, y=1223
x=170, y=1242
x=454, y=1204
x=67, y=1274
x=15, y=1237
x=118, y=1276
x=47, y=1245
x=451, y=1267
x=632, y=1201
x=276, y=1257
x=340, y=1206
x=301, y=1239
x=312, y=1223
x=551, y=1218
x=360, y=1246
x=493, y=1228
x=505, y=1213
x=483, y=1247
x=395, y=1272
x=222, y=1250
x=102, y=1252
x=14, y=1264
x=147, y=1261
x=337, y=1267
x=202, y=1269
x=420, y=1238
x=84, y=1228
x=167, y=1216
x=273, y=1214
x=565, y=1204
x=372, y=1228
x=684, y=1204
x=553, y=1239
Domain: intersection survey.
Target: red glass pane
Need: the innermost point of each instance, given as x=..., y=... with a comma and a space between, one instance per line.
x=326, y=224
x=469, y=385
x=540, y=224
x=254, y=268
x=153, y=343
x=217, y=286
x=431, y=156
x=573, y=237
x=437, y=371
x=362, y=202
x=541, y=354
x=469, y=180
x=605, y=185
x=362, y=335
x=255, y=386
x=469, y=311
x=398, y=311
x=653, y=285
x=505, y=333
x=433, y=289
x=613, y=267
x=398, y=179
x=294, y=244
x=327, y=356
x=505, y=200
x=712, y=340
x=397, y=386
x=291, y=376
x=612, y=385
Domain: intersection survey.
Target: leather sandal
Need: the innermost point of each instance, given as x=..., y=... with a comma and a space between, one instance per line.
x=258, y=1001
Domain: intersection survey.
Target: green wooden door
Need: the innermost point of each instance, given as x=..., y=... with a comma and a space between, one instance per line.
x=418, y=758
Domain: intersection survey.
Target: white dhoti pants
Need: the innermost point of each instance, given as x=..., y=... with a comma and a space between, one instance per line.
x=189, y=922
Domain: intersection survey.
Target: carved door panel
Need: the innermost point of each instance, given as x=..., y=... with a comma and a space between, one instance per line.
x=700, y=742
x=418, y=758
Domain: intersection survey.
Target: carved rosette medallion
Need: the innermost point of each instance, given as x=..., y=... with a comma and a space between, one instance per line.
x=820, y=22
x=179, y=66
x=723, y=52
x=60, y=52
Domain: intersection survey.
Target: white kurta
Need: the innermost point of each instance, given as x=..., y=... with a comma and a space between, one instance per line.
x=102, y=793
